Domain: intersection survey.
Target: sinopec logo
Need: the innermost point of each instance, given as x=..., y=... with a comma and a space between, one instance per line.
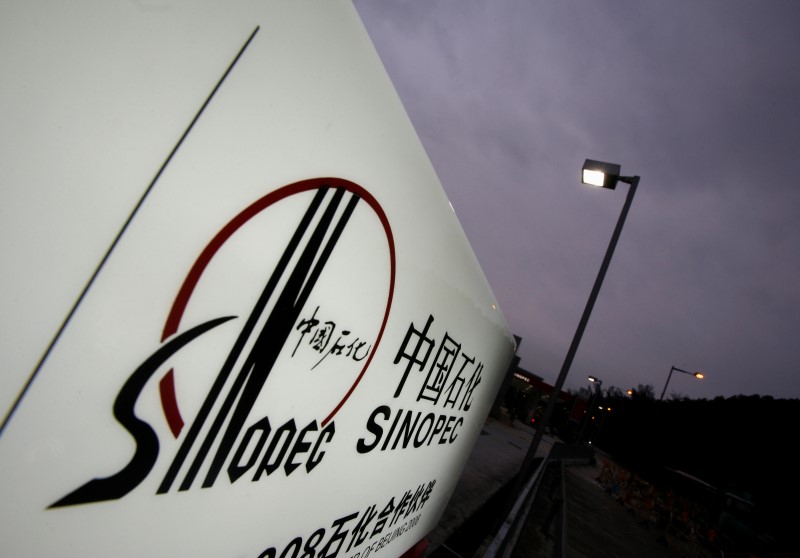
x=270, y=333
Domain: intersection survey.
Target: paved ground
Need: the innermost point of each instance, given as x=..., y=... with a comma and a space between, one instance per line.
x=598, y=526
x=494, y=461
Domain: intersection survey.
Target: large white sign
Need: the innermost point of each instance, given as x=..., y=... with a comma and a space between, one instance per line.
x=239, y=316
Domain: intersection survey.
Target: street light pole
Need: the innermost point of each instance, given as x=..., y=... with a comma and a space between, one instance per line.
x=605, y=411
x=606, y=180
x=698, y=375
x=590, y=406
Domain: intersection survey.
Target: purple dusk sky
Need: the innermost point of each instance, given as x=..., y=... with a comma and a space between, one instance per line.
x=701, y=99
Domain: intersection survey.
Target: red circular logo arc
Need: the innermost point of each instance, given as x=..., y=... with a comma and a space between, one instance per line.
x=169, y=400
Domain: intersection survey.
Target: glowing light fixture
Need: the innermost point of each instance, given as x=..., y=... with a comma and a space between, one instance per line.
x=600, y=174
x=593, y=177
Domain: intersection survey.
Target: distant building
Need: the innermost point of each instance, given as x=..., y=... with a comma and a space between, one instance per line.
x=527, y=395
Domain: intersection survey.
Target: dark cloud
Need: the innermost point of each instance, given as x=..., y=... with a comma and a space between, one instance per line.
x=699, y=98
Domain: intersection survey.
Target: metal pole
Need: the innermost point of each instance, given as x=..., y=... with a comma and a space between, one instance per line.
x=666, y=384
x=576, y=340
x=590, y=406
x=606, y=411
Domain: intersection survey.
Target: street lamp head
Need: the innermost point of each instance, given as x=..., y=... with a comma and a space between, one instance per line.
x=699, y=375
x=600, y=174
x=595, y=380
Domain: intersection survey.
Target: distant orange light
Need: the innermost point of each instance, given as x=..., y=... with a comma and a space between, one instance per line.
x=699, y=375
